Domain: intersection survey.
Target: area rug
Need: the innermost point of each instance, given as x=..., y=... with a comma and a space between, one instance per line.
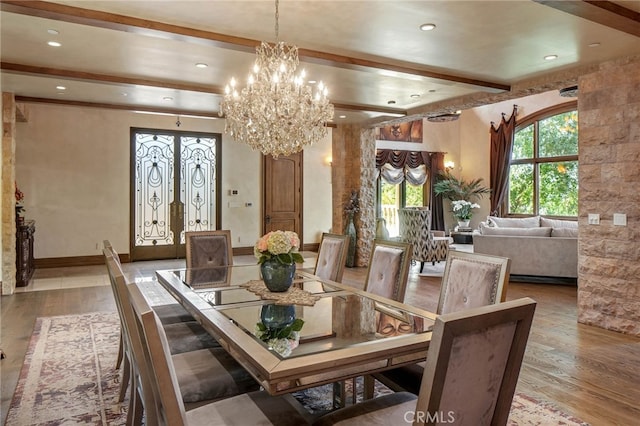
x=69, y=378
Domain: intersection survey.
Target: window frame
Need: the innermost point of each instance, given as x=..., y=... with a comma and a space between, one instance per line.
x=537, y=160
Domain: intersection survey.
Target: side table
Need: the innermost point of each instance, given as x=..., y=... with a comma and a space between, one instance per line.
x=462, y=237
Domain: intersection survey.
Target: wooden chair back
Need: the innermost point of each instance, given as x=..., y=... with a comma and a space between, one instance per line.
x=162, y=375
x=208, y=248
x=471, y=280
x=332, y=256
x=133, y=341
x=473, y=365
x=388, y=269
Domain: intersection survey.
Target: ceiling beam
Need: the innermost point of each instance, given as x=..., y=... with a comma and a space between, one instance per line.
x=113, y=21
x=602, y=12
x=115, y=79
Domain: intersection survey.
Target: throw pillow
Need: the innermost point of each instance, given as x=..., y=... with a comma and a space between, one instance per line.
x=565, y=232
x=515, y=222
x=518, y=232
x=558, y=223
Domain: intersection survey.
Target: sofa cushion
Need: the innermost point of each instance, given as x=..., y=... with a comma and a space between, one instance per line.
x=564, y=232
x=558, y=223
x=514, y=222
x=528, y=232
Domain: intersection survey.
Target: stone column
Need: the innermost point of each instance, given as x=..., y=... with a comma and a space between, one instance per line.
x=8, y=193
x=609, y=150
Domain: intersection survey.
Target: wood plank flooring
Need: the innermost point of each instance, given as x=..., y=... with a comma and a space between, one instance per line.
x=591, y=373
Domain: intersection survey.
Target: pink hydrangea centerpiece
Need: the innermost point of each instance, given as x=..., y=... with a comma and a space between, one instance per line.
x=280, y=245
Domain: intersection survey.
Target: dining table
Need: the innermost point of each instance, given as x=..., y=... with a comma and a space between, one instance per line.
x=345, y=332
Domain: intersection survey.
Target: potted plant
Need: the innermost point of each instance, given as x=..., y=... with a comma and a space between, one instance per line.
x=452, y=188
x=461, y=193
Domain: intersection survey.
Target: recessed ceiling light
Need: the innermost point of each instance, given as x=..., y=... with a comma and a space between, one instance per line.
x=342, y=116
x=54, y=44
x=415, y=96
x=391, y=102
x=427, y=27
x=201, y=65
x=550, y=57
x=53, y=32
x=61, y=88
x=124, y=94
x=167, y=98
x=312, y=82
x=596, y=44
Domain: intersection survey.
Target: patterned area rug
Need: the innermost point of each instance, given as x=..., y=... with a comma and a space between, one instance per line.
x=68, y=378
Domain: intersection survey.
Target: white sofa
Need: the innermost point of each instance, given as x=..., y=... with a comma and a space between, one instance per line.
x=537, y=246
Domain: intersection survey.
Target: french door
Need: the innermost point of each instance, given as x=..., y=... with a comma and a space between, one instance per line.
x=175, y=180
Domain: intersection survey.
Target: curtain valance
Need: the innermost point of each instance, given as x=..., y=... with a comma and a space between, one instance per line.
x=402, y=159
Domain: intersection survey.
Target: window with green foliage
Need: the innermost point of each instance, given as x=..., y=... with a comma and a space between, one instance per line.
x=543, y=172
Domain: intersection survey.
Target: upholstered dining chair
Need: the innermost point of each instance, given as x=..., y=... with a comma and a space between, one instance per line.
x=202, y=374
x=250, y=408
x=415, y=228
x=388, y=269
x=208, y=248
x=470, y=280
x=332, y=255
x=470, y=377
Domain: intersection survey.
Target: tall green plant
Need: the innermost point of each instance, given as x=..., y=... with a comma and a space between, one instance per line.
x=452, y=188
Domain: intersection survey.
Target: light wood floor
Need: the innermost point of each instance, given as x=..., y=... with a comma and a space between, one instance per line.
x=588, y=372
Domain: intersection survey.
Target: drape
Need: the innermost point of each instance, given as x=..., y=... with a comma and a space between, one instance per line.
x=500, y=156
x=436, y=205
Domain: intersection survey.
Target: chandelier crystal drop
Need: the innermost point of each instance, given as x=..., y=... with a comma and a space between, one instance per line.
x=276, y=112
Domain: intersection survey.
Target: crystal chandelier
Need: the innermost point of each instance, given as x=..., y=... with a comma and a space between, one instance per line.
x=276, y=112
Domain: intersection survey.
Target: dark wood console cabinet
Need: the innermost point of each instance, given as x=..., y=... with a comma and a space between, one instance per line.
x=25, y=265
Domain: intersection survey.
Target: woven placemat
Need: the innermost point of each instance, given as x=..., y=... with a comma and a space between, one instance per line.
x=293, y=296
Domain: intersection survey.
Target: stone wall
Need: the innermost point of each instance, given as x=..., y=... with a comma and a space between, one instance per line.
x=8, y=194
x=353, y=168
x=609, y=150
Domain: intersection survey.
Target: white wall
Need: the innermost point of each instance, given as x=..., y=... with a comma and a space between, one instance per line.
x=73, y=166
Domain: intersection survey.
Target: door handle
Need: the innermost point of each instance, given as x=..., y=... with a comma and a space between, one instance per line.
x=267, y=219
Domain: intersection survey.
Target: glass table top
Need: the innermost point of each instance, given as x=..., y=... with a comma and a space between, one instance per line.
x=340, y=319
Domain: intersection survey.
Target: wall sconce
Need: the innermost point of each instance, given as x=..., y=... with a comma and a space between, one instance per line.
x=449, y=165
x=329, y=161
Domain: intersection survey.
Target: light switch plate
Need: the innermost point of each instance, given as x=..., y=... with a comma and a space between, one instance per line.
x=620, y=219
x=594, y=219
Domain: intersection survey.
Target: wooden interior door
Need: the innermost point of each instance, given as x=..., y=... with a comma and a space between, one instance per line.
x=283, y=194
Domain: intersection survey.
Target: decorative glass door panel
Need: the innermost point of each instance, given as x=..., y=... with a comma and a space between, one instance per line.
x=198, y=184
x=174, y=189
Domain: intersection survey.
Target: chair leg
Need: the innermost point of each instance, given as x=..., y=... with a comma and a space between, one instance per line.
x=126, y=377
x=421, y=266
x=120, y=351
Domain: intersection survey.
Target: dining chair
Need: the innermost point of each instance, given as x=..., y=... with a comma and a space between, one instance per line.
x=470, y=377
x=388, y=269
x=208, y=248
x=256, y=407
x=470, y=280
x=332, y=256
x=415, y=228
x=185, y=333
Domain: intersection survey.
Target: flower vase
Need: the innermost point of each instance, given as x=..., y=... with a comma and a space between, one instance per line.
x=277, y=276
x=275, y=317
x=463, y=223
x=350, y=230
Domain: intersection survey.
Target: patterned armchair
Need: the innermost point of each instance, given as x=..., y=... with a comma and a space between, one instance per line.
x=415, y=228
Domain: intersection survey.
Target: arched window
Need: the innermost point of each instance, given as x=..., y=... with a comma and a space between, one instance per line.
x=543, y=171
